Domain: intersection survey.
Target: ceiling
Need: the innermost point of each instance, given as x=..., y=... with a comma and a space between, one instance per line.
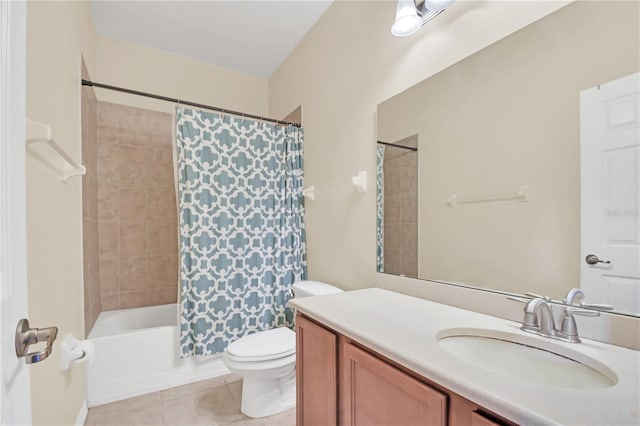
x=253, y=37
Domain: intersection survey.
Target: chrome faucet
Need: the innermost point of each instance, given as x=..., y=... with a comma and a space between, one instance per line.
x=538, y=318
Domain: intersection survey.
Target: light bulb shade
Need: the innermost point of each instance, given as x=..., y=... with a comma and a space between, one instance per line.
x=407, y=19
x=436, y=5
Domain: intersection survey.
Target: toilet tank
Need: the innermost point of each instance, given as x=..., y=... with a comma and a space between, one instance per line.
x=313, y=288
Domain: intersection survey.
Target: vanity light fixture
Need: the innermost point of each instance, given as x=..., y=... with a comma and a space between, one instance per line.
x=411, y=15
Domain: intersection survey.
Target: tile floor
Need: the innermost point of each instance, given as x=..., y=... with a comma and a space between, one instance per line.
x=209, y=402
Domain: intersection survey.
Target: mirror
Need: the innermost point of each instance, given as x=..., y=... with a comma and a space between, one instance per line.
x=479, y=166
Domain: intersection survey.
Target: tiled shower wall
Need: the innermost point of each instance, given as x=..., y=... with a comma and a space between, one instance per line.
x=91, y=262
x=401, y=209
x=137, y=214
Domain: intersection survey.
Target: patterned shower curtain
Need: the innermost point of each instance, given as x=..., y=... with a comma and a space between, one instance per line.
x=380, y=208
x=241, y=214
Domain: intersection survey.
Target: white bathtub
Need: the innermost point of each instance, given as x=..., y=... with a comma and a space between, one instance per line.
x=137, y=353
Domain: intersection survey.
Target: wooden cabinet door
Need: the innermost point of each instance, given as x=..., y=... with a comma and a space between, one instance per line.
x=316, y=374
x=373, y=392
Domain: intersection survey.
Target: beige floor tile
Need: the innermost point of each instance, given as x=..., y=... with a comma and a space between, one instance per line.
x=208, y=402
x=192, y=388
x=141, y=410
x=236, y=391
x=212, y=407
x=288, y=418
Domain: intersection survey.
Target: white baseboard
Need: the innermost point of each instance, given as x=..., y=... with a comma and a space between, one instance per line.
x=82, y=414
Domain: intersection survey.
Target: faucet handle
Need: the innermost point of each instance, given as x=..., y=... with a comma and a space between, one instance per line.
x=575, y=297
x=569, y=329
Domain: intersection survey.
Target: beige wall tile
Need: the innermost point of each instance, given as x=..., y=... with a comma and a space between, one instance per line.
x=137, y=196
x=110, y=274
x=90, y=232
x=108, y=163
x=108, y=202
x=162, y=238
x=132, y=238
x=133, y=273
x=108, y=116
x=392, y=237
x=108, y=137
x=85, y=196
x=159, y=165
x=132, y=126
x=162, y=271
x=152, y=297
x=93, y=197
x=131, y=164
x=87, y=281
x=391, y=211
x=110, y=301
x=90, y=240
x=161, y=204
x=95, y=306
x=131, y=203
x=161, y=129
x=408, y=208
x=108, y=239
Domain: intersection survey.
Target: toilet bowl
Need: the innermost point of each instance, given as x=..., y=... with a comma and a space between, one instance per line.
x=266, y=360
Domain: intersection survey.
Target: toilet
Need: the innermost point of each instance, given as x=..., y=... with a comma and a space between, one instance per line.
x=266, y=360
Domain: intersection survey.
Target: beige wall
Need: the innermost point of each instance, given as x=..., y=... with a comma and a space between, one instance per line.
x=141, y=68
x=504, y=117
x=91, y=262
x=57, y=35
x=136, y=208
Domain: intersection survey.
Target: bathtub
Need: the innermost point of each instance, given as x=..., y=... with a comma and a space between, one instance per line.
x=137, y=353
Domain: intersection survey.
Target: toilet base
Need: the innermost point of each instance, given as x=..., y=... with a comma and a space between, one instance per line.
x=266, y=397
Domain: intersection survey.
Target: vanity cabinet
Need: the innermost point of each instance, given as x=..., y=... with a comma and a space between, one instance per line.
x=374, y=392
x=316, y=374
x=340, y=382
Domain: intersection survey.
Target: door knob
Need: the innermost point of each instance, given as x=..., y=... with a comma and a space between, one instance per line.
x=592, y=259
x=26, y=337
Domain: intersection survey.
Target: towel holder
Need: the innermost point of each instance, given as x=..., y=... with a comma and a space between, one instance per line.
x=521, y=194
x=40, y=132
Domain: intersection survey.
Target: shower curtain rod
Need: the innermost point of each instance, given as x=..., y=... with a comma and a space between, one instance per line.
x=410, y=148
x=180, y=101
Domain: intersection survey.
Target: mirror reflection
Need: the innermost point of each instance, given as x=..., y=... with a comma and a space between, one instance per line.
x=526, y=161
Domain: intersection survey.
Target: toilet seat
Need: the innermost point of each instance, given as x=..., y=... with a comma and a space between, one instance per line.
x=263, y=346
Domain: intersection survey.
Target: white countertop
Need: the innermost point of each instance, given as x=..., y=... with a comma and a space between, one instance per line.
x=405, y=328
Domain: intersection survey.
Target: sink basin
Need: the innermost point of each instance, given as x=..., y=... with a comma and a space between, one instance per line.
x=525, y=358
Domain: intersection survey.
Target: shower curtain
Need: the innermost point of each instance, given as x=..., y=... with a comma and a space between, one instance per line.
x=241, y=218
x=380, y=208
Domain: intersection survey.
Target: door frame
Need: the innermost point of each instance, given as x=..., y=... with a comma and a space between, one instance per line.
x=15, y=403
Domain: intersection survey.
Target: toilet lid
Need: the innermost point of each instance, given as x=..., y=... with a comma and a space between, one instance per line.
x=274, y=343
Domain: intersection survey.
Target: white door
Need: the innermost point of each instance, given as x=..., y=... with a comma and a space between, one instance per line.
x=15, y=403
x=610, y=193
